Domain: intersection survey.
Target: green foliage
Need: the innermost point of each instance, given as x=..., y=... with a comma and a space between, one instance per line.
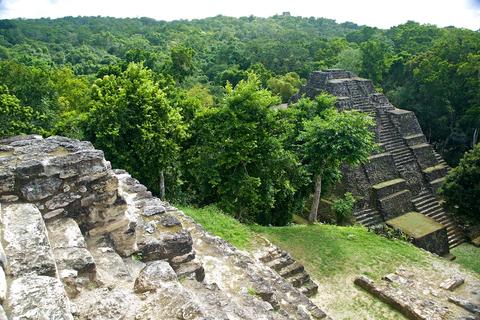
x=181, y=62
x=15, y=119
x=131, y=119
x=389, y=233
x=350, y=59
x=285, y=86
x=220, y=224
x=238, y=161
x=343, y=208
x=334, y=138
x=376, y=59
x=461, y=189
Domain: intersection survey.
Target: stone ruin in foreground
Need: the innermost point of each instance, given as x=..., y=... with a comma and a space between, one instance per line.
x=399, y=184
x=82, y=241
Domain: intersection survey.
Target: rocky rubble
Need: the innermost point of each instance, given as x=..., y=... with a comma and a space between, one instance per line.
x=83, y=241
x=419, y=297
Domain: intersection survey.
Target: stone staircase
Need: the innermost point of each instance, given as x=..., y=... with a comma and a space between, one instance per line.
x=393, y=143
x=368, y=217
x=281, y=261
x=427, y=204
x=440, y=160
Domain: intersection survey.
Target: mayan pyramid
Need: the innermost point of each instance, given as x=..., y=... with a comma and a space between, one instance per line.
x=405, y=174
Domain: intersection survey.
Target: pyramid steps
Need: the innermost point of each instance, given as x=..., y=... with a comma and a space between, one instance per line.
x=368, y=217
x=427, y=204
x=282, y=263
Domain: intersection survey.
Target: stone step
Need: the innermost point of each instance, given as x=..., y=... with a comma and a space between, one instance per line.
x=399, y=149
x=291, y=270
x=272, y=255
x=386, y=188
x=299, y=279
x=403, y=159
x=371, y=220
x=426, y=200
x=309, y=288
x=437, y=183
x=365, y=214
x=432, y=209
x=280, y=263
x=427, y=206
x=422, y=196
x=435, y=172
x=27, y=246
x=456, y=241
x=404, y=162
x=437, y=213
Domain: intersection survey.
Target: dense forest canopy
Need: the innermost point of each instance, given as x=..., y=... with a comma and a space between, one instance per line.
x=92, y=77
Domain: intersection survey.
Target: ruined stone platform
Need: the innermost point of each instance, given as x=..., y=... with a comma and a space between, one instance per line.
x=425, y=232
x=83, y=241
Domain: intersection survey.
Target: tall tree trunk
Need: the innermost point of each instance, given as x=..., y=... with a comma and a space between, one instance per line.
x=475, y=137
x=316, y=199
x=162, y=185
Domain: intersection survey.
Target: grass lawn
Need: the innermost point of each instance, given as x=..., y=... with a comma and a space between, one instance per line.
x=222, y=225
x=327, y=250
x=468, y=256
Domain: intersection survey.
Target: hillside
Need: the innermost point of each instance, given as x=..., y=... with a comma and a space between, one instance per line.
x=416, y=65
x=334, y=256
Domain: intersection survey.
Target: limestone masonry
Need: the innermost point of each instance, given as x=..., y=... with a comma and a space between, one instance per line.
x=405, y=175
x=82, y=241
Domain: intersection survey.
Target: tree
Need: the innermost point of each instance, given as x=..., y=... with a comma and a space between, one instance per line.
x=461, y=189
x=331, y=139
x=285, y=86
x=15, y=119
x=237, y=160
x=377, y=58
x=181, y=62
x=350, y=59
x=131, y=119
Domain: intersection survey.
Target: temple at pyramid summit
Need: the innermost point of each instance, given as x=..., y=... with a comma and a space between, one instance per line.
x=399, y=184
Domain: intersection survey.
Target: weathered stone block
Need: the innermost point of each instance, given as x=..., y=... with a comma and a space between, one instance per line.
x=452, y=283
x=38, y=298
x=7, y=181
x=405, y=121
x=424, y=155
x=165, y=245
x=426, y=232
x=395, y=204
x=27, y=245
x=389, y=187
x=435, y=172
x=414, y=139
x=380, y=167
x=40, y=188
x=153, y=276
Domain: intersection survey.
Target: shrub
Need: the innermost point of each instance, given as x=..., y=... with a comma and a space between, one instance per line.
x=343, y=208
